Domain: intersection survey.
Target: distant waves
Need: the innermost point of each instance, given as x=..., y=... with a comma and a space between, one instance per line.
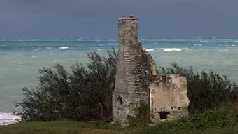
x=172, y=49
x=20, y=60
x=149, y=50
x=165, y=49
x=63, y=48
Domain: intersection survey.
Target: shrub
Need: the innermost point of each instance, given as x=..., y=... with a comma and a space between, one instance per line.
x=83, y=94
x=224, y=117
x=206, y=90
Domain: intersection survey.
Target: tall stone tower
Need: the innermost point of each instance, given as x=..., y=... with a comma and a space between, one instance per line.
x=130, y=87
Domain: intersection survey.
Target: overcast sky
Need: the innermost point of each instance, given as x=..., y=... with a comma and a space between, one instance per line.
x=28, y=19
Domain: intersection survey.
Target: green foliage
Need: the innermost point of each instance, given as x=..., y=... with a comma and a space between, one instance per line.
x=206, y=90
x=215, y=120
x=219, y=119
x=143, y=112
x=48, y=100
x=60, y=127
x=142, y=116
x=85, y=93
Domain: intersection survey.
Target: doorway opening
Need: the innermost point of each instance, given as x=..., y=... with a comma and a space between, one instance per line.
x=163, y=115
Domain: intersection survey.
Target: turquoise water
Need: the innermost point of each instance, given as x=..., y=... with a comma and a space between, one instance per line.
x=20, y=60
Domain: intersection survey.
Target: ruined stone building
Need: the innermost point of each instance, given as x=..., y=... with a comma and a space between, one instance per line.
x=168, y=97
x=137, y=80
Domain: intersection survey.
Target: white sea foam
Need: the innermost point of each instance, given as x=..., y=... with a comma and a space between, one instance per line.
x=9, y=118
x=197, y=45
x=149, y=50
x=205, y=41
x=172, y=49
x=63, y=48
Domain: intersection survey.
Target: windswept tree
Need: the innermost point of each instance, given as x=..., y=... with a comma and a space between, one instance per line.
x=84, y=93
x=96, y=98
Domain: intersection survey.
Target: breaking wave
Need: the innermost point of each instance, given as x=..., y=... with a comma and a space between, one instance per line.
x=149, y=50
x=63, y=48
x=9, y=118
x=172, y=49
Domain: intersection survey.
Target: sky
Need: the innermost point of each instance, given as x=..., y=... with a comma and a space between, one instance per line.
x=97, y=19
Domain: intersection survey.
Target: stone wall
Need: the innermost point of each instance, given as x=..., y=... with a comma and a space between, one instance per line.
x=168, y=97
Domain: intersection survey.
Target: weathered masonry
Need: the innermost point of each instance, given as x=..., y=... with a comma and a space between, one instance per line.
x=168, y=97
x=137, y=80
x=130, y=88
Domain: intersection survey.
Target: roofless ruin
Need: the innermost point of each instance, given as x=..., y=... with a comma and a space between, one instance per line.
x=138, y=81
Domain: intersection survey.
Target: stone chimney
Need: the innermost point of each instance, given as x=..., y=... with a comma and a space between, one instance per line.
x=128, y=31
x=137, y=81
x=130, y=86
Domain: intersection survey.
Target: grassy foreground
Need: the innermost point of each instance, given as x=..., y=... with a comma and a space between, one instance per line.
x=220, y=121
x=70, y=127
x=63, y=127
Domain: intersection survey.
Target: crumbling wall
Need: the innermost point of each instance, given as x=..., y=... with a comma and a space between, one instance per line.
x=168, y=97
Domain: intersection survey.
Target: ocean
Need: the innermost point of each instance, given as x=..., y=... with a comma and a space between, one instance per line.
x=21, y=60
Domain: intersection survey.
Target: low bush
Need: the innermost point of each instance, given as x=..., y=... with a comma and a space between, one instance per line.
x=224, y=117
x=206, y=90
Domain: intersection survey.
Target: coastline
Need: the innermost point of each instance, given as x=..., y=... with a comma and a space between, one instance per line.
x=8, y=119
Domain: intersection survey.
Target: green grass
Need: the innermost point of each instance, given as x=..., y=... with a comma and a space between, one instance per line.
x=71, y=127
x=64, y=127
x=222, y=121
x=68, y=127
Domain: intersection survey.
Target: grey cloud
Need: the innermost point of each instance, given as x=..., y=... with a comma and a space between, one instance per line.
x=30, y=18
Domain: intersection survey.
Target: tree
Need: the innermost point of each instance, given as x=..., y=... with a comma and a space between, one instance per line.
x=83, y=94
